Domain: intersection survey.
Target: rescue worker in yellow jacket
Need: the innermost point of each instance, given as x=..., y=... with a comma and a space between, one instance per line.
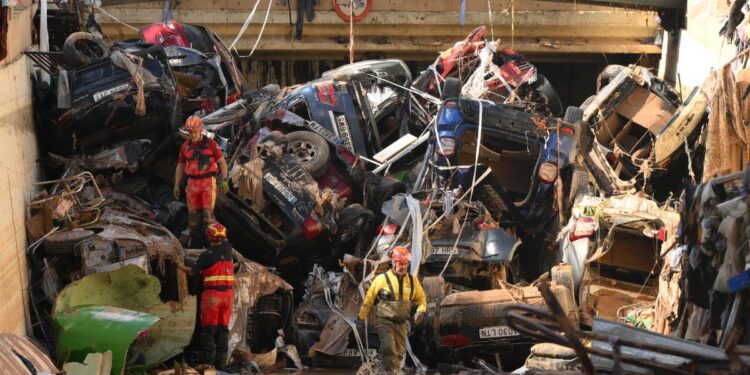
x=394, y=293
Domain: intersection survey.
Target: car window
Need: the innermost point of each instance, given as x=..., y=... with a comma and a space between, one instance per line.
x=199, y=39
x=512, y=163
x=299, y=106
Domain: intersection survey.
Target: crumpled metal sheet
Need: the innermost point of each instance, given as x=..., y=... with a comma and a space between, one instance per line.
x=133, y=289
x=251, y=281
x=334, y=338
x=116, y=225
x=93, y=329
x=13, y=348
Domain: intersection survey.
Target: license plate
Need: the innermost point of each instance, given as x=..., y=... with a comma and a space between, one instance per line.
x=444, y=250
x=283, y=190
x=496, y=332
x=343, y=127
x=109, y=92
x=356, y=353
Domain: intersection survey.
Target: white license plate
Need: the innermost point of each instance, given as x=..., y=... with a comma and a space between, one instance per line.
x=109, y=92
x=444, y=250
x=356, y=353
x=496, y=332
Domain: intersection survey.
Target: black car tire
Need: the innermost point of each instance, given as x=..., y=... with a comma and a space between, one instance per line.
x=546, y=91
x=573, y=115
x=351, y=221
x=65, y=242
x=83, y=48
x=310, y=149
x=452, y=88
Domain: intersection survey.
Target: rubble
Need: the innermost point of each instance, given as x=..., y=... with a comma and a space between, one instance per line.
x=579, y=238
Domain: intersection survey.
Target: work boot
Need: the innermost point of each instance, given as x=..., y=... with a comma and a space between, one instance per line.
x=208, y=348
x=222, y=346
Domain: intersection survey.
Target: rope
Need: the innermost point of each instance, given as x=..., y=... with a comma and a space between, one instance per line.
x=260, y=34
x=115, y=19
x=489, y=12
x=245, y=25
x=351, y=31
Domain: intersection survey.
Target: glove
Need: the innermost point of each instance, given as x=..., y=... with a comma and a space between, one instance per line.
x=176, y=192
x=224, y=186
x=418, y=318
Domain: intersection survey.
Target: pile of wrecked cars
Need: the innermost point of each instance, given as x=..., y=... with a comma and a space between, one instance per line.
x=499, y=193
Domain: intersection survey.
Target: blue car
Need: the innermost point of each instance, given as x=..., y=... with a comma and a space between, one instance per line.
x=526, y=154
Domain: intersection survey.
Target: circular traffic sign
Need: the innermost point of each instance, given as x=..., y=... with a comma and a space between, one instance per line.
x=344, y=9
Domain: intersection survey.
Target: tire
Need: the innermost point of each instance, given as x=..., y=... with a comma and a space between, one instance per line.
x=609, y=73
x=586, y=103
x=579, y=185
x=562, y=274
x=573, y=115
x=451, y=88
x=546, y=91
x=65, y=242
x=310, y=149
x=83, y=48
x=352, y=220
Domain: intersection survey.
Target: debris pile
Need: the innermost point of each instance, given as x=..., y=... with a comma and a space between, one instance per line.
x=534, y=229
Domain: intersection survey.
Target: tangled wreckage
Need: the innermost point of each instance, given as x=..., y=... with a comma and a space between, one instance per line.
x=546, y=238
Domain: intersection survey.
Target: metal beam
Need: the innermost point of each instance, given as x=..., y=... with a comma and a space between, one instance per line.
x=632, y=4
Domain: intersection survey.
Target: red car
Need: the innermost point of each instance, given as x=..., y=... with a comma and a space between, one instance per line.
x=173, y=33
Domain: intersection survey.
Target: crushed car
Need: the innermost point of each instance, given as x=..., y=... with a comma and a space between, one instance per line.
x=523, y=156
x=616, y=247
x=173, y=33
x=277, y=203
x=357, y=103
x=481, y=69
x=130, y=94
x=642, y=128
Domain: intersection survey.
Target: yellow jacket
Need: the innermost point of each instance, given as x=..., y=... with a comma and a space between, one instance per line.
x=380, y=283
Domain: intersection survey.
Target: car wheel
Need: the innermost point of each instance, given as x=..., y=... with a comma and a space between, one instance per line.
x=573, y=115
x=351, y=221
x=579, y=186
x=83, y=48
x=587, y=102
x=310, y=149
x=65, y=242
x=451, y=88
x=546, y=91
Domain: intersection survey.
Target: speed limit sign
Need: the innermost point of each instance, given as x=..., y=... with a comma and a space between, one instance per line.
x=344, y=9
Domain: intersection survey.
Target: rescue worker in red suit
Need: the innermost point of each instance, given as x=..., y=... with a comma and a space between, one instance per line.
x=217, y=298
x=200, y=158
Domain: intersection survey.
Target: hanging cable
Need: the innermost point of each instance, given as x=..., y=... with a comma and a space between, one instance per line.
x=351, y=31
x=489, y=12
x=260, y=34
x=116, y=20
x=245, y=25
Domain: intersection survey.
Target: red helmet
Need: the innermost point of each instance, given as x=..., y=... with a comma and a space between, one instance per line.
x=194, y=124
x=216, y=231
x=400, y=255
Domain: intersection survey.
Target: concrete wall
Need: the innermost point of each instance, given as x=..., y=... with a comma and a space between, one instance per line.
x=18, y=171
x=701, y=49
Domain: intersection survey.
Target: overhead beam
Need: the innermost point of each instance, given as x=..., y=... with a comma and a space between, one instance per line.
x=632, y=4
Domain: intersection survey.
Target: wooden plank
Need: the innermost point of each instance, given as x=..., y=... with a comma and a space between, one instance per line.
x=144, y=16
x=378, y=5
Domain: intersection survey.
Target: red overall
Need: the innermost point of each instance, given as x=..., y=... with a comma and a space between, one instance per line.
x=217, y=301
x=200, y=167
x=217, y=298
